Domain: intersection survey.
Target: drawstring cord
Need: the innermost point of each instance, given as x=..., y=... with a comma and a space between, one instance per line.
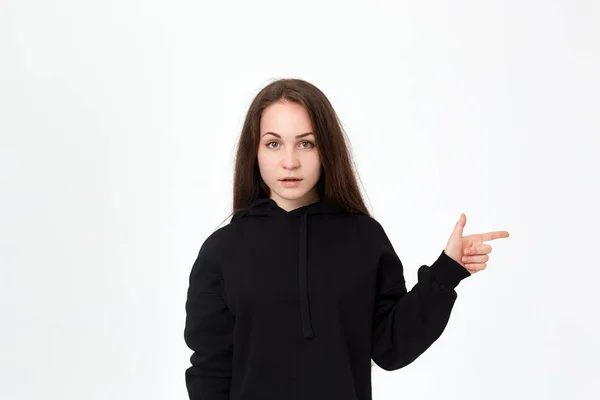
x=307, y=329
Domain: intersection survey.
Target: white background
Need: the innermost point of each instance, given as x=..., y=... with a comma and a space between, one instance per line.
x=118, y=122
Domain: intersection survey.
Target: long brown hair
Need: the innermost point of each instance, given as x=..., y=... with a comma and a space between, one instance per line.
x=338, y=181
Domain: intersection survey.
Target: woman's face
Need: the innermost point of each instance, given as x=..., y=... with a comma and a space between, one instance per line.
x=287, y=149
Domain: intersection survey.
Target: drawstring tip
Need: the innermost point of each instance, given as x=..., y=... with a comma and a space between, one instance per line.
x=309, y=333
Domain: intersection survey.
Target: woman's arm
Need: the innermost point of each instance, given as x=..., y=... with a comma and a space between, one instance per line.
x=208, y=330
x=407, y=323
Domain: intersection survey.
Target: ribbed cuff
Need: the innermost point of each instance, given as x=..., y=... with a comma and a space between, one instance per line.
x=448, y=272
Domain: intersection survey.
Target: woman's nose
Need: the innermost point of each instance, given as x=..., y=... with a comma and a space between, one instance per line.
x=290, y=160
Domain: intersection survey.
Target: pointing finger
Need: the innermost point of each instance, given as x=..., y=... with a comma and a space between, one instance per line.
x=494, y=235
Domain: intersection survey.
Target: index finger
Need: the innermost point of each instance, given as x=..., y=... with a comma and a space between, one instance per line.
x=494, y=235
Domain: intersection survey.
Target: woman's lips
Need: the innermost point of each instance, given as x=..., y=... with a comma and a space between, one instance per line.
x=291, y=183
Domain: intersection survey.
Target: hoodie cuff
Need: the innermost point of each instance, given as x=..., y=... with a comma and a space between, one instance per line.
x=448, y=272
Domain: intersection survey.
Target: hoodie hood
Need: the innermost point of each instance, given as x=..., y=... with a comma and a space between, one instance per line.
x=267, y=207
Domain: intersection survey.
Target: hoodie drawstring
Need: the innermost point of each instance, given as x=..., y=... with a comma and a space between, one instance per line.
x=268, y=208
x=307, y=329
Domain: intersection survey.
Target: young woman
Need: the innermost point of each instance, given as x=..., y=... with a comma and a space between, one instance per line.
x=302, y=289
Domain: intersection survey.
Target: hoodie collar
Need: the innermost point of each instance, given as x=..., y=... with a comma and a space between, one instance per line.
x=267, y=207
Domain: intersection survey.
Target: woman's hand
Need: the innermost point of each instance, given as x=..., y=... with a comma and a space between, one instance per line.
x=469, y=251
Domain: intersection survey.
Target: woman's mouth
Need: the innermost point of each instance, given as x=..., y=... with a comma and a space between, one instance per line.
x=291, y=182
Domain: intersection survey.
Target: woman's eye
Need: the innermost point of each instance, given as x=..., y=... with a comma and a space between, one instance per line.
x=311, y=144
x=270, y=143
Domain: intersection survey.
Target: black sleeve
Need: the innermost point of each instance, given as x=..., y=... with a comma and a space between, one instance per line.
x=405, y=323
x=208, y=330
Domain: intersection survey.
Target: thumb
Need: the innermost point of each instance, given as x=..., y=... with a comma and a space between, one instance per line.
x=460, y=226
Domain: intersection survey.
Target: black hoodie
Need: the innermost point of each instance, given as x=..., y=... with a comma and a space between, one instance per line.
x=294, y=305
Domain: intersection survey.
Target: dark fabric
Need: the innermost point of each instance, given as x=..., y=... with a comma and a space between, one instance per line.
x=294, y=305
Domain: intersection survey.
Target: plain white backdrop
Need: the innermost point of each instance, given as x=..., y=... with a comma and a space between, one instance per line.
x=118, y=125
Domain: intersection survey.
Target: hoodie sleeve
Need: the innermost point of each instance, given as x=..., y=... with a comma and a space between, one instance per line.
x=208, y=329
x=405, y=323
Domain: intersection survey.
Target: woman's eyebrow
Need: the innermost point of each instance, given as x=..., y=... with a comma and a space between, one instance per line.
x=297, y=136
